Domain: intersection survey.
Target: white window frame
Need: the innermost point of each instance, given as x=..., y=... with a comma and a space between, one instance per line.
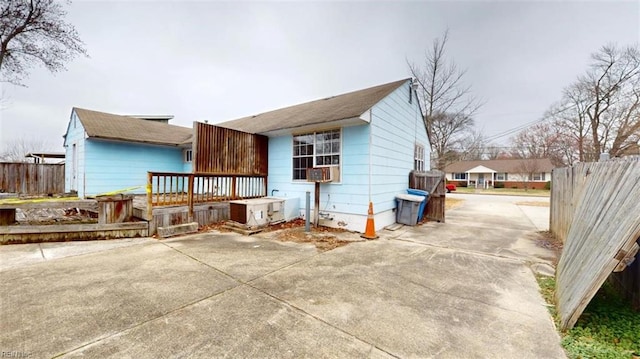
x=455, y=176
x=317, y=155
x=187, y=155
x=501, y=176
x=538, y=177
x=418, y=157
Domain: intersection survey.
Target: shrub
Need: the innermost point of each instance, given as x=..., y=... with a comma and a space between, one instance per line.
x=498, y=185
x=461, y=184
x=547, y=185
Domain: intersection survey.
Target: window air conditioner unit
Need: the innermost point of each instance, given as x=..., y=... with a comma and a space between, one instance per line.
x=323, y=174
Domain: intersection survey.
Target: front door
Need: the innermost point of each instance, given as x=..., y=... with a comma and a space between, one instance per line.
x=480, y=179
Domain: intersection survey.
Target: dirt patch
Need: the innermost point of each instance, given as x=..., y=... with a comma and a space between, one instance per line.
x=324, y=238
x=44, y=216
x=549, y=241
x=451, y=203
x=533, y=204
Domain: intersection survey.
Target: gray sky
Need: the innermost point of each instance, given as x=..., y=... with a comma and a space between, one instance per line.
x=217, y=61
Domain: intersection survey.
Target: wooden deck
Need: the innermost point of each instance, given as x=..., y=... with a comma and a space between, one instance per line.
x=204, y=213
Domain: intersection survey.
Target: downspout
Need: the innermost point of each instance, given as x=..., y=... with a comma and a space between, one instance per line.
x=370, y=148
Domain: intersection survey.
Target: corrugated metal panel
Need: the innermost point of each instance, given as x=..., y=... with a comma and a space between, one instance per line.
x=595, y=211
x=31, y=178
x=221, y=150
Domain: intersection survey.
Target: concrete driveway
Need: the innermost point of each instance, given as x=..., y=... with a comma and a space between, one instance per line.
x=460, y=289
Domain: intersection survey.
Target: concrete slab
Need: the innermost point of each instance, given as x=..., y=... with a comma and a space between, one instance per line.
x=417, y=301
x=20, y=255
x=459, y=289
x=239, y=323
x=59, y=305
x=178, y=229
x=243, y=257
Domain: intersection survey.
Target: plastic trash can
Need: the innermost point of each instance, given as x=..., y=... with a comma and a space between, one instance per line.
x=408, y=208
x=423, y=205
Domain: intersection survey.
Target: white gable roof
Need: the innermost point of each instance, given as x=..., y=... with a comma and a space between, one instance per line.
x=481, y=169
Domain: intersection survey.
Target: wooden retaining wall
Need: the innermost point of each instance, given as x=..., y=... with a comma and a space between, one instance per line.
x=71, y=232
x=31, y=178
x=594, y=211
x=204, y=214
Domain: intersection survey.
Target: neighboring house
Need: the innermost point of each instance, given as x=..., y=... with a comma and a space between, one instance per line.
x=371, y=139
x=106, y=152
x=512, y=173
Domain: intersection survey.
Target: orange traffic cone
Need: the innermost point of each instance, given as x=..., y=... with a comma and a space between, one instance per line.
x=370, y=229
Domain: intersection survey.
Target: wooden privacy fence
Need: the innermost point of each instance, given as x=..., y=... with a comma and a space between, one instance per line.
x=595, y=211
x=432, y=182
x=31, y=178
x=171, y=189
x=223, y=150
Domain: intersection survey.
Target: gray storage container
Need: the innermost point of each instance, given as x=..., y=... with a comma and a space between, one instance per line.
x=408, y=208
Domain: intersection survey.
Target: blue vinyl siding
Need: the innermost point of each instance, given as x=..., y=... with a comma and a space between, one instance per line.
x=350, y=195
x=395, y=127
x=112, y=166
x=75, y=135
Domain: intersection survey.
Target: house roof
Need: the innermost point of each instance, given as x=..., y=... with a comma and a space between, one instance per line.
x=125, y=128
x=502, y=166
x=335, y=108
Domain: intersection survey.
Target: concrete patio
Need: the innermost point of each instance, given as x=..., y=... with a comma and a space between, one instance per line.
x=460, y=289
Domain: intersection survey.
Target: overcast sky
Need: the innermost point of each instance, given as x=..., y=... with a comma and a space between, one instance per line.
x=217, y=61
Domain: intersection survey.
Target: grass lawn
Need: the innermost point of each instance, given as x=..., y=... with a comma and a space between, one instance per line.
x=506, y=191
x=607, y=329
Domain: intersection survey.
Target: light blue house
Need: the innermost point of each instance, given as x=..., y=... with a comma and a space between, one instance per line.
x=106, y=152
x=371, y=139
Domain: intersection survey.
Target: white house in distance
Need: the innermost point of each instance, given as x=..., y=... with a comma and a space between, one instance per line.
x=508, y=173
x=371, y=139
x=106, y=152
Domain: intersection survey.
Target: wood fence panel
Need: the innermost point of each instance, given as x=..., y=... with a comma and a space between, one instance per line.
x=594, y=210
x=32, y=178
x=432, y=182
x=221, y=150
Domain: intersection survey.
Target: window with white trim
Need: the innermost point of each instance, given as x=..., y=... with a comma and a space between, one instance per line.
x=188, y=155
x=317, y=149
x=418, y=157
x=538, y=176
x=501, y=177
x=460, y=176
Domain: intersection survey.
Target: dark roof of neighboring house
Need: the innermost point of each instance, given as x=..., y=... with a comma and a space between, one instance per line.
x=502, y=166
x=349, y=105
x=124, y=128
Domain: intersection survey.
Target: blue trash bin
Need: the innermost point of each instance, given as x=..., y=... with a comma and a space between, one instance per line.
x=423, y=204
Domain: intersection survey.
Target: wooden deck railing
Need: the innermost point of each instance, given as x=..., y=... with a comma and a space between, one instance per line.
x=171, y=189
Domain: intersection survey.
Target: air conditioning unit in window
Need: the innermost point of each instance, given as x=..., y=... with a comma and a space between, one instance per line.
x=323, y=174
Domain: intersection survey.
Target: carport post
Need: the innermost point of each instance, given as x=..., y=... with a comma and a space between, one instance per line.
x=307, y=211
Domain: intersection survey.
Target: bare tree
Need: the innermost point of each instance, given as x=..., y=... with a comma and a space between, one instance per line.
x=528, y=169
x=600, y=112
x=448, y=105
x=542, y=140
x=34, y=33
x=16, y=150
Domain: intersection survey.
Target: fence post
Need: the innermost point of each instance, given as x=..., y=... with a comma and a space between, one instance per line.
x=149, y=196
x=233, y=187
x=190, y=194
